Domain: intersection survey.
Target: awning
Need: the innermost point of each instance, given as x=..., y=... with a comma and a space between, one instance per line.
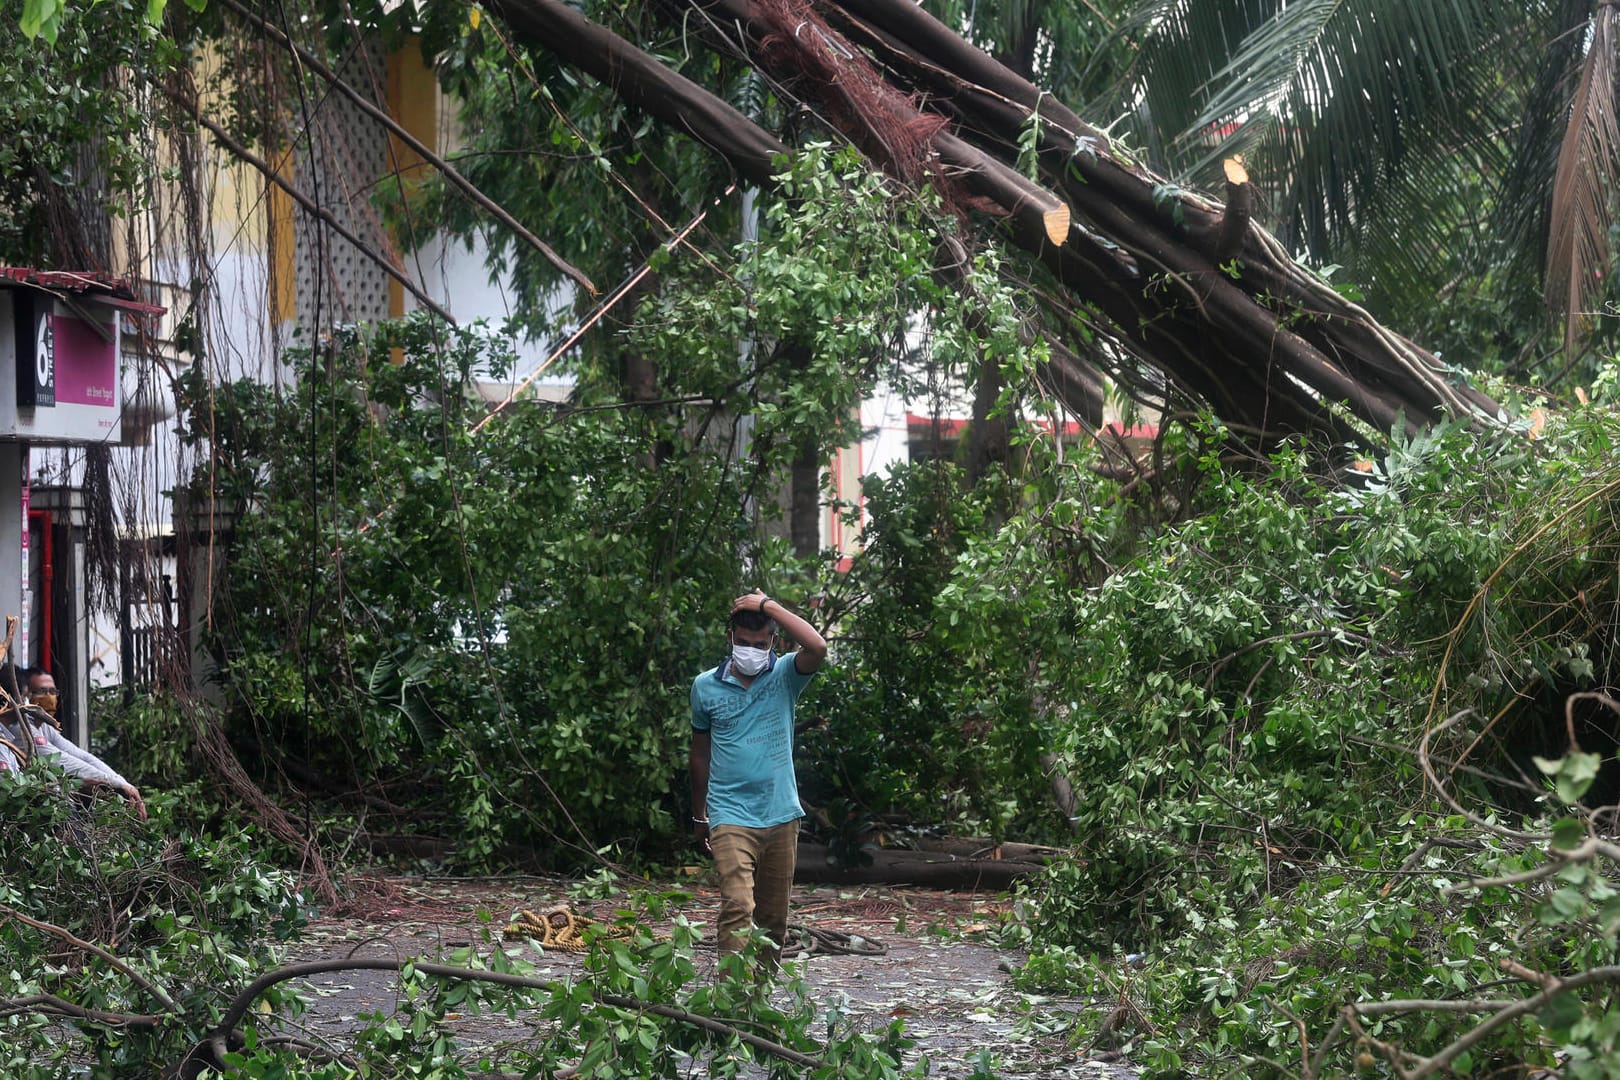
x=93, y=285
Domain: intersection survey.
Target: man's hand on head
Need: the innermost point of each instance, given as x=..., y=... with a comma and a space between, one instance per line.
x=749, y=602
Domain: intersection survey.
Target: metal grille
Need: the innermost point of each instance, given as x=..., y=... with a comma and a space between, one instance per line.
x=352, y=153
x=150, y=649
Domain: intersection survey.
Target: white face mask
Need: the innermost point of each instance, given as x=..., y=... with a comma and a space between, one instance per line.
x=746, y=660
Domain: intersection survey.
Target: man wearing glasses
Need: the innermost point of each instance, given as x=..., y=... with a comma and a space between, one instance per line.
x=745, y=797
x=27, y=732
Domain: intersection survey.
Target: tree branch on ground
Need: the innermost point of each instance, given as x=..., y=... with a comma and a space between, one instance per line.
x=218, y=1039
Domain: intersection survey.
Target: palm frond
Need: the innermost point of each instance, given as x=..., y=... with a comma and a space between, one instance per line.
x=1336, y=93
x=1434, y=175
x=1417, y=139
x=1428, y=232
x=1330, y=94
x=1179, y=46
x=1524, y=188
x=1579, y=247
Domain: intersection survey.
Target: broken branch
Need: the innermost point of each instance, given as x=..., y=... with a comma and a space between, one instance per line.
x=243, y=1001
x=78, y=943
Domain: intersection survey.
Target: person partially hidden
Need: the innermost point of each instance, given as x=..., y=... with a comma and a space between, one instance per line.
x=28, y=733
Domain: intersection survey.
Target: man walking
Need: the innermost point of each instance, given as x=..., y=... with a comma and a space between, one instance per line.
x=745, y=797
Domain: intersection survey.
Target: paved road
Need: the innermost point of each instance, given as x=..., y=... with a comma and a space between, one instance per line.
x=950, y=986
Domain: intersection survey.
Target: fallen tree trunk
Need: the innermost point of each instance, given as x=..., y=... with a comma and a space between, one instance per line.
x=1144, y=308
x=890, y=866
x=1160, y=275
x=1265, y=343
x=1252, y=342
x=213, y=1053
x=644, y=82
x=993, y=104
x=756, y=154
x=977, y=847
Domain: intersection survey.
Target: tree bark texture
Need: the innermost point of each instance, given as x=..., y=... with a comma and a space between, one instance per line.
x=1271, y=348
x=804, y=480
x=931, y=869
x=988, y=434
x=1273, y=316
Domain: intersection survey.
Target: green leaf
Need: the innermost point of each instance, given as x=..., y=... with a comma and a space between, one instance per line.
x=36, y=14
x=1577, y=775
x=1572, y=775
x=1567, y=903
x=1609, y=918
x=1562, y=1011
x=1568, y=834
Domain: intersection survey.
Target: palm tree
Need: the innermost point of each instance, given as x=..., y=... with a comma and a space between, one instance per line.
x=1434, y=144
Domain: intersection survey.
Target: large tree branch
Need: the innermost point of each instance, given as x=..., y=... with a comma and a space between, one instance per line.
x=1162, y=295
x=995, y=103
x=756, y=154
x=645, y=83
x=1271, y=348
x=1096, y=266
x=90, y=947
x=56, y=1006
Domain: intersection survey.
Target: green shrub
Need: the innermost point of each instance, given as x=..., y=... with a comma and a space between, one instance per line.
x=1244, y=708
x=194, y=918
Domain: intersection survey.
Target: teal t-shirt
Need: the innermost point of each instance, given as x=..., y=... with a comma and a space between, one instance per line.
x=751, y=780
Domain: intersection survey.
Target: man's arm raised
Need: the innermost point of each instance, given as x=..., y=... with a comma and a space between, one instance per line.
x=812, y=646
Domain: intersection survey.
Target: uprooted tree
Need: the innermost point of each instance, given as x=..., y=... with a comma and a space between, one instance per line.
x=1194, y=290
x=1242, y=693
x=1169, y=293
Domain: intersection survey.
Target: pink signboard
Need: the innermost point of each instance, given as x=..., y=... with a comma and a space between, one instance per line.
x=86, y=362
x=67, y=381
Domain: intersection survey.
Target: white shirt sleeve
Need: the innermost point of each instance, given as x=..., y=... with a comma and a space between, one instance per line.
x=76, y=762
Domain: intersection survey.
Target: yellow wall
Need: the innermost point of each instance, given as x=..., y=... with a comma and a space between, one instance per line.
x=282, y=243
x=413, y=101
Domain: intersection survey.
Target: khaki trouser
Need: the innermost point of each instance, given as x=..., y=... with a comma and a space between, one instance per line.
x=756, y=876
